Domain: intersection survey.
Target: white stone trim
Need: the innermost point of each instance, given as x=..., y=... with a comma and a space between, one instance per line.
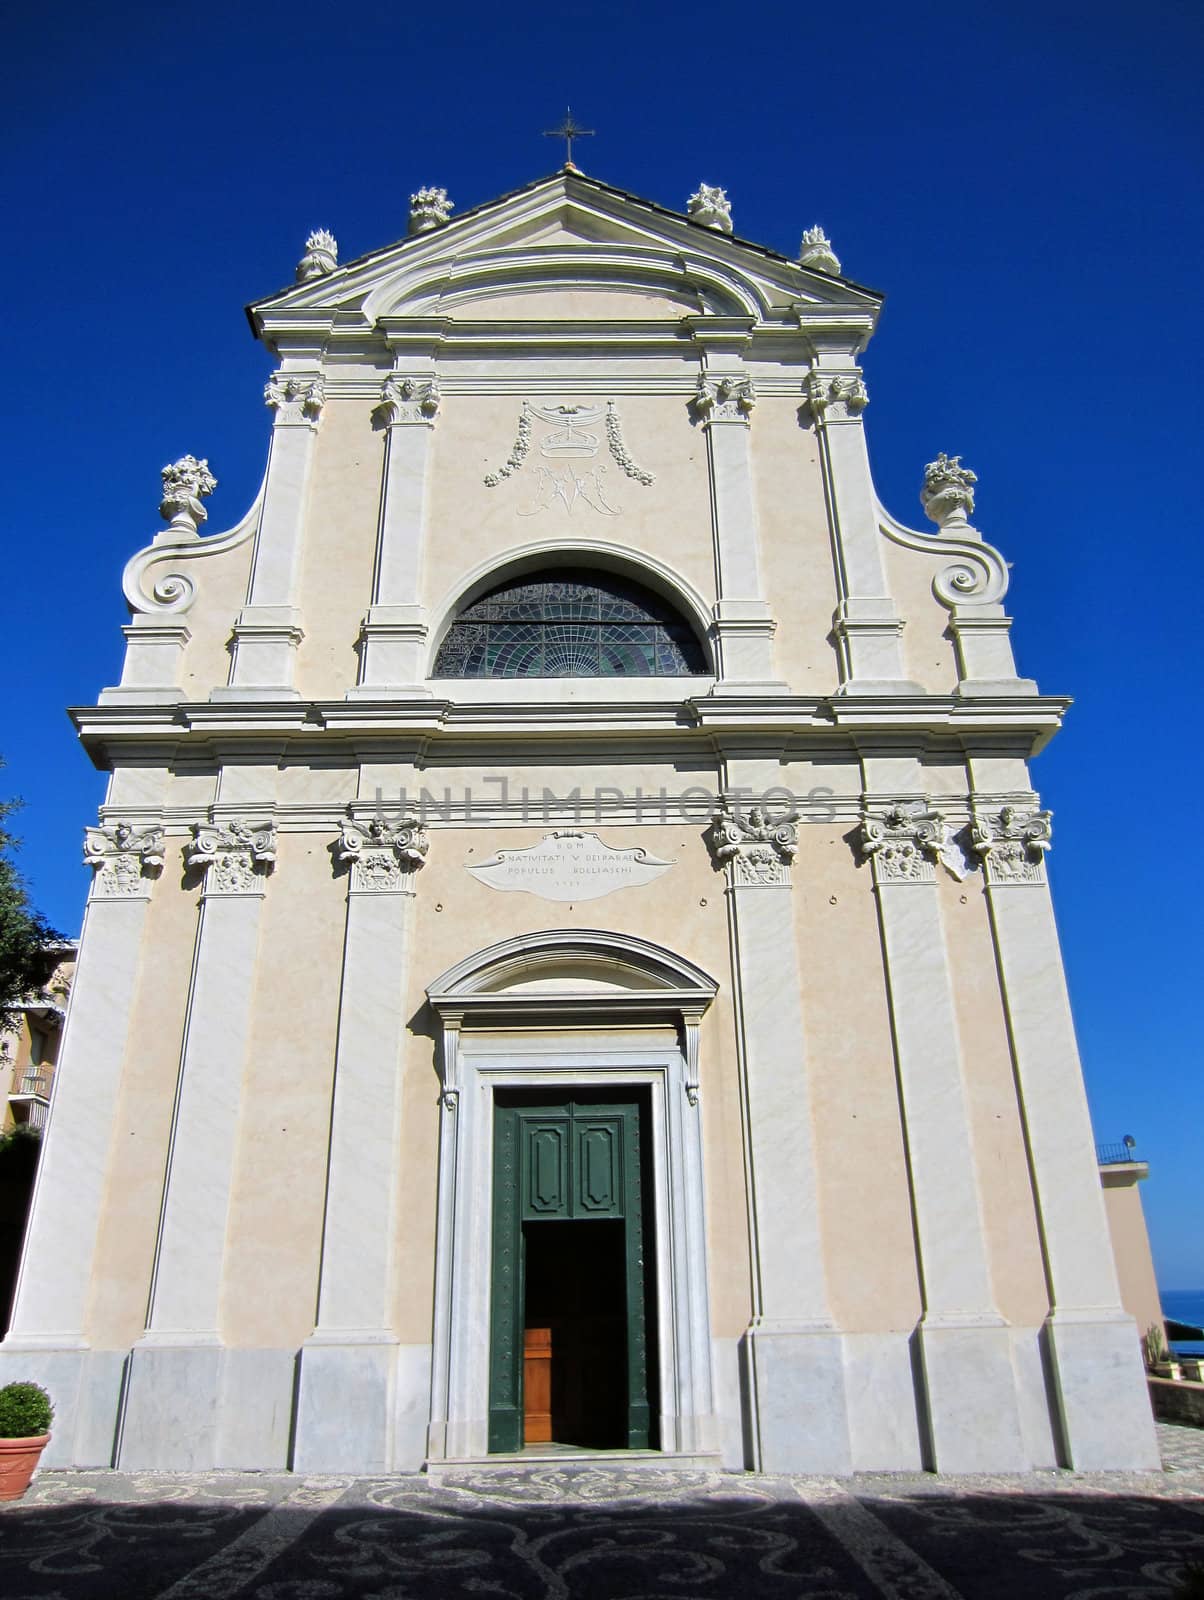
x=498, y=1035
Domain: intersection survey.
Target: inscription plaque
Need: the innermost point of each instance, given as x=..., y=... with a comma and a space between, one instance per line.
x=569, y=866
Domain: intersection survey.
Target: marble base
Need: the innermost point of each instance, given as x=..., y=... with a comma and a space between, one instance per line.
x=1102, y=1394
x=362, y=1406
x=884, y=1426
x=85, y=1388
x=255, y=1409
x=797, y=1406
x=171, y=1404
x=972, y=1413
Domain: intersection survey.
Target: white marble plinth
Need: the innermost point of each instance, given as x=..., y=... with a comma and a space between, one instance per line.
x=973, y=1415
x=796, y=1386
x=171, y=1408
x=85, y=1389
x=1103, y=1398
x=255, y=1409
x=884, y=1432
x=362, y=1406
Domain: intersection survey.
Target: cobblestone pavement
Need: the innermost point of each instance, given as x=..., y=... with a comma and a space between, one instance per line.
x=583, y=1532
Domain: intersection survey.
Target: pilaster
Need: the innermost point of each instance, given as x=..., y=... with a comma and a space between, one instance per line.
x=353, y=1399
x=744, y=627
x=866, y=625
x=268, y=630
x=172, y=1418
x=394, y=633
x=973, y=1419
x=1092, y=1343
x=793, y=1355
x=47, y=1338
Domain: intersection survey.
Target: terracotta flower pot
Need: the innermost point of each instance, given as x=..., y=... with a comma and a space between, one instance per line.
x=18, y=1458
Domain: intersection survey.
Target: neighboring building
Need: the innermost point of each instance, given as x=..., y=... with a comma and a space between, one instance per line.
x=696, y=1071
x=30, y=1051
x=1120, y=1171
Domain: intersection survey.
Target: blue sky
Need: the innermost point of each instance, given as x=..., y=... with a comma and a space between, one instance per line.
x=1022, y=180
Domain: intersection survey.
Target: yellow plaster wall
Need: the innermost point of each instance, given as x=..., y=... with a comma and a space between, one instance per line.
x=863, y=1187
x=136, y=1162
x=928, y=656
x=471, y=523
x=1009, y=1215
x=274, y=1233
x=795, y=546
x=456, y=915
x=221, y=592
x=339, y=547
x=581, y=304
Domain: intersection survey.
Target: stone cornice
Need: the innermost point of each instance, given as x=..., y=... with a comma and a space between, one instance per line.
x=1025, y=723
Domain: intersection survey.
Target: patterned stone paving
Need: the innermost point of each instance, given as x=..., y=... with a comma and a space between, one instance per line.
x=604, y=1533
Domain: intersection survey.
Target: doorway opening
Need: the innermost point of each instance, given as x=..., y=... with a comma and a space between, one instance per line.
x=575, y=1335
x=573, y=1322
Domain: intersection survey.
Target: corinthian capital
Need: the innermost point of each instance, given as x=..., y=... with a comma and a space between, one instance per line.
x=726, y=398
x=904, y=842
x=234, y=855
x=757, y=848
x=124, y=859
x=1012, y=843
x=383, y=853
x=408, y=400
x=296, y=401
x=835, y=399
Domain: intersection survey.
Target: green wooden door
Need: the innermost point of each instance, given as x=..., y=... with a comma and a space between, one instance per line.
x=570, y=1162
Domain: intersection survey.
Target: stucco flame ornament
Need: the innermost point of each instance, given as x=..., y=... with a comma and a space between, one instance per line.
x=321, y=256
x=186, y=483
x=757, y=848
x=710, y=206
x=817, y=253
x=429, y=208
x=948, y=492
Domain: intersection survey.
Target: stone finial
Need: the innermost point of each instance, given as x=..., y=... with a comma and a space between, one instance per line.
x=429, y=208
x=711, y=207
x=321, y=256
x=817, y=253
x=757, y=848
x=186, y=483
x=948, y=492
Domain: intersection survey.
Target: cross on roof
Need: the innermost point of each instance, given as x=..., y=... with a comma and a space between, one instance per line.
x=568, y=131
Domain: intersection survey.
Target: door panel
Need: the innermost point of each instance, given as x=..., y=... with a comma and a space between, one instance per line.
x=555, y=1165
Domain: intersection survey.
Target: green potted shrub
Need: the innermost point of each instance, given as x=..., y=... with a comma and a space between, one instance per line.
x=25, y=1417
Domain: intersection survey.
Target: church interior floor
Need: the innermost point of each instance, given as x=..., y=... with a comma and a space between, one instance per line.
x=593, y=1531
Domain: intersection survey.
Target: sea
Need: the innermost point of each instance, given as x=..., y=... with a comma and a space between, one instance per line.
x=1185, y=1305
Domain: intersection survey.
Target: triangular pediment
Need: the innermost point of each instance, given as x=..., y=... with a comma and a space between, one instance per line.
x=520, y=256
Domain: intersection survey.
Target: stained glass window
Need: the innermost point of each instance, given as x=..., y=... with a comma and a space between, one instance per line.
x=568, y=624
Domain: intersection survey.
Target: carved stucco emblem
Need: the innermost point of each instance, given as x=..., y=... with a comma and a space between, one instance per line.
x=566, y=440
x=569, y=866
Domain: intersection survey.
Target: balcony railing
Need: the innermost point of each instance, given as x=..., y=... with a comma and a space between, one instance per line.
x=35, y=1083
x=1112, y=1155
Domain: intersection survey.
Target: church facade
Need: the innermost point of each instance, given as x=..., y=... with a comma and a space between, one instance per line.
x=569, y=957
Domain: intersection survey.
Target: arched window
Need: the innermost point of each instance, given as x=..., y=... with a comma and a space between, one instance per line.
x=563, y=623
